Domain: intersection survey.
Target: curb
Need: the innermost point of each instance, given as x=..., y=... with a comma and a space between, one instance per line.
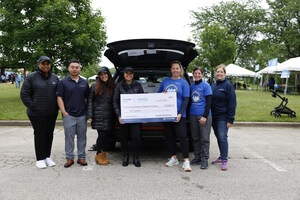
x=236, y=124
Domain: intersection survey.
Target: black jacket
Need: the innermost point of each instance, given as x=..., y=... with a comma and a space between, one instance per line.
x=38, y=94
x=100, y=110
x=123, y=88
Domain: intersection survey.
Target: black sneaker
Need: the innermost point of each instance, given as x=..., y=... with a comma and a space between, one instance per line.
x=195, y=161
x=204, y=164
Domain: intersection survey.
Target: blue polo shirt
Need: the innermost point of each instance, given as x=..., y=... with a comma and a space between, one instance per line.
x=74, y=94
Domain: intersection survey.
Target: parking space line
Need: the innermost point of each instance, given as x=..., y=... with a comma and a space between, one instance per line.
x=272, y=164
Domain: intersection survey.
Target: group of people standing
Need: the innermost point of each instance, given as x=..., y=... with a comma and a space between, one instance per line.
x=12, y=77
x=43, y=93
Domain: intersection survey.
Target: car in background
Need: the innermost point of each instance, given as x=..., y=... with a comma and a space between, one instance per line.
x=151, y=60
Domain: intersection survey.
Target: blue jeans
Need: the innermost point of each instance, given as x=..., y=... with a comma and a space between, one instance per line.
x=221, y=132
x=18, y=83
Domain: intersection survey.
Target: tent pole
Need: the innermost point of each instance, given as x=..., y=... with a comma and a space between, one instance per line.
x=286, y=85
x=261, y=82
x=296, y=81
x=254, y=83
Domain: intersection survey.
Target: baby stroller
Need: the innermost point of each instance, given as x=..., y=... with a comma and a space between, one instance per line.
x=282, y=109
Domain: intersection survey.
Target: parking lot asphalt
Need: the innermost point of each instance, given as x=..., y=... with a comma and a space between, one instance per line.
x=264, y=163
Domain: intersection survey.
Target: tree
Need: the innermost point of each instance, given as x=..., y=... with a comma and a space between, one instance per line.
x=90, y=71
x=60, y=29
x=241, y=18
x=216, y=46
x=283, y=25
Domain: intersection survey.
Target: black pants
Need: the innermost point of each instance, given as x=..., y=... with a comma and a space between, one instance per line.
x=178, y=130
x=43, y=127
x=135, y=134
x=102, y=140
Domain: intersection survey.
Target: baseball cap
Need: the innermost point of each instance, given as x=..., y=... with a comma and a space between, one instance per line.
x=103, y=69
x=44, y=58
x=126, y=69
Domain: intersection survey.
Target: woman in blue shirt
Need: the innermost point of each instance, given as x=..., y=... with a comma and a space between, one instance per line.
x=200, y=118
x=177, y=128
x=223, y=111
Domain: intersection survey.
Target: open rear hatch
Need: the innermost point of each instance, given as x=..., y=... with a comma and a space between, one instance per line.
x=150, y=53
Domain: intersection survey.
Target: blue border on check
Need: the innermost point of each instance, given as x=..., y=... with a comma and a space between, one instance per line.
x=143, y=120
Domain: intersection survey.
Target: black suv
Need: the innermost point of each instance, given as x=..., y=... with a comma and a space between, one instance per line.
x=151, y=60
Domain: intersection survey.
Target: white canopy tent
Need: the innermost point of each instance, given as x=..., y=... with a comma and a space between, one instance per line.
x=93, y=77
x=237, y=71
x=82, y=77
x=292, y=65
x=269, y=70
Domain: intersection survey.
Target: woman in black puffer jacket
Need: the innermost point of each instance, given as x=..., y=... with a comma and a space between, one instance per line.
x=101, y=112
x=128, y=86
x=38, y=94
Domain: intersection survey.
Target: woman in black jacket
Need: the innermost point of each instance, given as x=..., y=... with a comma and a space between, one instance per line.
x=128, y=86
x=38, y=94
x=101, y=113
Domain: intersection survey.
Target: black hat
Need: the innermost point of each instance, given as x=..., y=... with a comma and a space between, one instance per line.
x=126, y=69
x=103, y=69
x=44, y=58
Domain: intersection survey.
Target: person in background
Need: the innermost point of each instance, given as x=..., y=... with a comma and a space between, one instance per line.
x=223, y=112
x=72, y=94
x=177, y=128
x=3, y=78
x=38, y=93
x=13, y=78
x=19, y=80
x=200, y=118
x=128, y=86
x=101, y=112
x=271, y=84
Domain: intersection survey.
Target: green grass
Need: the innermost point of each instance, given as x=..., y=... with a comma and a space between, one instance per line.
x=256, y=106
x=251, y=105
x=11, y=106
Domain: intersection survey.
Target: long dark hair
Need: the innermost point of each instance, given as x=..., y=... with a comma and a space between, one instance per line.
x=102, y=87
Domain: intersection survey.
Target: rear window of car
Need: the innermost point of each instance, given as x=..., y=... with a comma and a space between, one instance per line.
x=149, y=55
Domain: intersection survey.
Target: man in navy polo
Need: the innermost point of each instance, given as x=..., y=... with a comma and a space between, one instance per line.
x=72, y=93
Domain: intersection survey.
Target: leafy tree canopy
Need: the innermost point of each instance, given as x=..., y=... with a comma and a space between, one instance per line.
x=216, y=46
x=241, y=18
x=283, y=26
x=60, y=29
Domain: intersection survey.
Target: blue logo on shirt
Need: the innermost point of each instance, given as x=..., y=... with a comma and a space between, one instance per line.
x=196, y=97
x=171, y=88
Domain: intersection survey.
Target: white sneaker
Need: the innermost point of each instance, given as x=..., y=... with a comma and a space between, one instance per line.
x=41, y=164
x=186, y=166
x=49, y=162
x=172, y=162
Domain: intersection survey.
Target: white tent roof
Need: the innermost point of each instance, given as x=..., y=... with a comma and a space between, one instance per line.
x=269, y=70
x=93, y=77
x=82, y=77
x=292, y=64
x=234, y=70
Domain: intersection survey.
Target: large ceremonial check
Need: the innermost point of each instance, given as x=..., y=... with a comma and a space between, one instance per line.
x=149, y=107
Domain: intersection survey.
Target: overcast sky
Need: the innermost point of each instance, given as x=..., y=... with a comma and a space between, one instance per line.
x=131, y=19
